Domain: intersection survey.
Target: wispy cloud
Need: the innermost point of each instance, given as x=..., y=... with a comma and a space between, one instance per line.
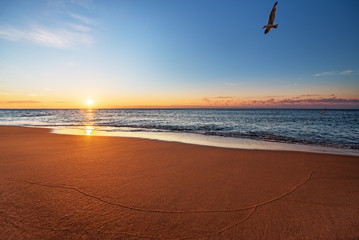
x=84, y=19
x=302, y=100
x=57, y=33
x=220, y=100
x=346, y=72
x=219, y=97
x=11, y=34
x=60, y=38
x=308, y=95
x=83, y=3
x=22, y=102
x=66, y=4
x=324, y=74
x=223, y=97
x=79, y=27
x=332, y=73
x=331, y=100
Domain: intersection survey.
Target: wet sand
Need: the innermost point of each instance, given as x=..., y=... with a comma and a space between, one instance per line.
x=86, y=187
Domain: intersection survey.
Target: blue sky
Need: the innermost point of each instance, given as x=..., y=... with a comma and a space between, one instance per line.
x=178, y=53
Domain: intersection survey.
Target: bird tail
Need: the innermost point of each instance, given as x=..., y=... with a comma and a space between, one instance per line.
x=275, y=26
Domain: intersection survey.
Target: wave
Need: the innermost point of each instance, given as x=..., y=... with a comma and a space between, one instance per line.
x=208, y=131
x=336, y=129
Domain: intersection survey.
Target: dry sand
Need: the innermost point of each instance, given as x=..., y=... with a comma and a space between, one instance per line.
x=84, y=187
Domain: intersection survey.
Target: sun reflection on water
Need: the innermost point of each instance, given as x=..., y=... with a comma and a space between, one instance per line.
x=89, y=122
x=89, y=130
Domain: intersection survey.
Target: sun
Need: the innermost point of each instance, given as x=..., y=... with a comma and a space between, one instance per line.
x=89, y=102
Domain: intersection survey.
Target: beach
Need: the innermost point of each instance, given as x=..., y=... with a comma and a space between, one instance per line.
x=55, y=186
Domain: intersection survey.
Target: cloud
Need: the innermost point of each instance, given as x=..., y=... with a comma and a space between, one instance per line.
x=332, y=100
x=308, y=95
x=84, y=19
x=219, y=97
x=346, y=72
x=79, y=27
x=22, y=102
x=223, y=97
x=273, y=96
x=66, y=4
x=306, y=102
x=54, y=31
x=217, y=101
x=302, y=100
x=324, y=74
x=83, y=3
x=60, y=38
x=33, y=95
x=11, y=34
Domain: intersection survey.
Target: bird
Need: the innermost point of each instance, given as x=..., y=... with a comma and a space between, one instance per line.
x=270, y=23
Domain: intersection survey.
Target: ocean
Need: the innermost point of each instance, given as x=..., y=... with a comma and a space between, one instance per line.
x=335, y=129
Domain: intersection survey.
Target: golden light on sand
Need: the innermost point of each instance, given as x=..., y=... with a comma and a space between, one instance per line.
x=89, y=130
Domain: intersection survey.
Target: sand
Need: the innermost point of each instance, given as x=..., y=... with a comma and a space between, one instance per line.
x=84, y=187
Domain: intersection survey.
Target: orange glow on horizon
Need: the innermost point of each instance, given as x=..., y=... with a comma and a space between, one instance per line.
x=209, y=101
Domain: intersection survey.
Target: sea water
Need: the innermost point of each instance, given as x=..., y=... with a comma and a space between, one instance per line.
x=262, y=128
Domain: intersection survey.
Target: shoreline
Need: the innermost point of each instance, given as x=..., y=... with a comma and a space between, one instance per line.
x=308, y=132
x=201, y=140
x=72, y=186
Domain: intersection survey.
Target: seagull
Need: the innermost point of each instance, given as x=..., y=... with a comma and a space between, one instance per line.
x=270, y=25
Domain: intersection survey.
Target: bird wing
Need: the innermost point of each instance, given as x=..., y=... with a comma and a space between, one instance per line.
x=272, y=14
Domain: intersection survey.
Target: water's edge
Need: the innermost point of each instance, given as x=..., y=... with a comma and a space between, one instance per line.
x=306, y=130
x=205, y=140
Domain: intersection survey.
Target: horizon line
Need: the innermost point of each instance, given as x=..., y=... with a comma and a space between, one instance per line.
x=194, y=108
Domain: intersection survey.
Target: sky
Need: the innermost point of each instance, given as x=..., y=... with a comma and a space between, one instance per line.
x=178, y=54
